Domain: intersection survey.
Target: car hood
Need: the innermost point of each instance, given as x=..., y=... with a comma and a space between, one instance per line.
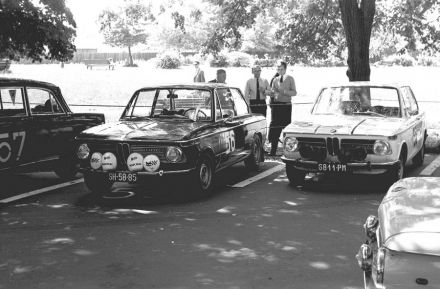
x=410, y=216
x=345, y=125
x=169, y=130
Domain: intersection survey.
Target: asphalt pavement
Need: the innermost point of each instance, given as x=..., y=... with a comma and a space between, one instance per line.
x=264, y=234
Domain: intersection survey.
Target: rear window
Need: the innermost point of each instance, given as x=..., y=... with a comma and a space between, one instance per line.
x=11, y=102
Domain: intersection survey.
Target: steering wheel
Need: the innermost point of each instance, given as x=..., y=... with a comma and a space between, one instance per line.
x=196, y=112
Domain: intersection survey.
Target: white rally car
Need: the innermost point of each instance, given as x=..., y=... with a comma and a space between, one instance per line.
x=403, y=243
x=357, y=128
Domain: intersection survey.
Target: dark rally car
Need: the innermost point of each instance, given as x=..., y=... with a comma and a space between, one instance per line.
x=193, y=130
x=37, y=126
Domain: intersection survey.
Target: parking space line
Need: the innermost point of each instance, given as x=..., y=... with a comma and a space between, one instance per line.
x=40, y=191
x=258, y=177
x=430, y=169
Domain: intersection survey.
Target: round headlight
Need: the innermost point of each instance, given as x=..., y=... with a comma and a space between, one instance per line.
x=174, y=154
x=382, y=148
x=96, y=160
x=83, y=151
x=290, y=144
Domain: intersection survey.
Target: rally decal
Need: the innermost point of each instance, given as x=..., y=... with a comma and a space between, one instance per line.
x=7, y=141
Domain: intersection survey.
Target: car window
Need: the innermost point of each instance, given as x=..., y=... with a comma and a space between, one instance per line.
x=142, y=104
x=42, y=101
x=241, y=107
x=225, y=103
x=375, y=101
x=11, y=102
x=410, y=101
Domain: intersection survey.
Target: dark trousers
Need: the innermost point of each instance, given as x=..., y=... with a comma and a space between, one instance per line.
x=258, y=106
x=281, y=117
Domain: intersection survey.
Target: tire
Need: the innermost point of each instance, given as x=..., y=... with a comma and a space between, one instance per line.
x=252, y=162
x=203, y=177
x=66, y=167
x=419, y=158
x=397, y=173
x=97, y=183
x=295, y=176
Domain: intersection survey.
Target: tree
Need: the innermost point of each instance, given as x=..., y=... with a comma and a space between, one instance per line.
x=126, y=27
x=36, y=29
x=357, y=18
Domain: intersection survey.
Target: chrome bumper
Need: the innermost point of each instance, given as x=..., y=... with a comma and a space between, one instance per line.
x=159, y=173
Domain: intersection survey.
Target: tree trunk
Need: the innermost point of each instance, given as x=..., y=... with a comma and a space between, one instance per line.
x=358, y=21
x=130, y=58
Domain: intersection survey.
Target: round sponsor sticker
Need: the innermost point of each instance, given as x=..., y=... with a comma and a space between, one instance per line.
x=151, y=163
x=134, y=162
x=109, y=162
x=96, y=161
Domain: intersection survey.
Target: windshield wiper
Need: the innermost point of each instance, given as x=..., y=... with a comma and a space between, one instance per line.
x=368, y=112
x=136, y=117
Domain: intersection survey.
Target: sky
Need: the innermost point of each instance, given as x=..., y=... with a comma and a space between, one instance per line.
x=85, y=13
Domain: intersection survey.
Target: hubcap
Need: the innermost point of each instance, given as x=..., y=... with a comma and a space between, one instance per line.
x=205, y=176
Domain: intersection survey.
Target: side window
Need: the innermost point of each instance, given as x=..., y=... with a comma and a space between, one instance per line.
x=42, y=101
x=410, y=102
x=11, y=102
x=142, y=105
x=241, y=107
x=225, y=103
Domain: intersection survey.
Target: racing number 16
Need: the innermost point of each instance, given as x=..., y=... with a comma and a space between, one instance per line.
x=5, y=146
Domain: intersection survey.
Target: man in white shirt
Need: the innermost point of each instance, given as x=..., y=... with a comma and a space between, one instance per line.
x=284, y=90
x=255, y=91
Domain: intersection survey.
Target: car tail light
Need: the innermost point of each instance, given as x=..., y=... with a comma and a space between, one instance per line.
x=370, y=227
x=365, y=257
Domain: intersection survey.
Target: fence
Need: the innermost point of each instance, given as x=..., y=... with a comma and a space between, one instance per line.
x=120, y=56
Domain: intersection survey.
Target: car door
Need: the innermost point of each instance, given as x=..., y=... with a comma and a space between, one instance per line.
x=49, y=123
x=14, y=128
x=415, y=122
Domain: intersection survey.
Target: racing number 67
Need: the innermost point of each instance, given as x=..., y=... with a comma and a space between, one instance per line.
x=5, y=146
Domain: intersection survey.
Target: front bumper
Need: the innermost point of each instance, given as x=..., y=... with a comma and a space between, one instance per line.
x=355, y=168
x=142, y=174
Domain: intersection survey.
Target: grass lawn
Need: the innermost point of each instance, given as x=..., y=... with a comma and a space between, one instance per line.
x=101, y=86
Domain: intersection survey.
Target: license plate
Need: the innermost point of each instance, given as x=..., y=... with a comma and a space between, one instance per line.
x=122, y=177
x=332, y=167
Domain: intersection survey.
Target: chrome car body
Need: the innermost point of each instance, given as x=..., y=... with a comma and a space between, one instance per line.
x=403, y=243
x=359, y=128
x=193, y=130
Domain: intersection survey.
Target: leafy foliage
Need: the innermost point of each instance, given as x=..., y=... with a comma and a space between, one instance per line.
x=39, y=29
x=127, y=26
x=168, y=60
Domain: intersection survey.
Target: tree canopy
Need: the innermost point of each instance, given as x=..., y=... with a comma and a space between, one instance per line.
x=36, y=29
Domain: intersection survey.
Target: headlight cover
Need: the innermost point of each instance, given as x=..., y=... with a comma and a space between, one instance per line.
x=382, y=148
x=291, y=144
x=174, y=154
x=83, y=151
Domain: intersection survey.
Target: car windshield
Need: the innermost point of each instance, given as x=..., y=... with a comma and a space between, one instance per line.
x=189, y=104
x=359, y=100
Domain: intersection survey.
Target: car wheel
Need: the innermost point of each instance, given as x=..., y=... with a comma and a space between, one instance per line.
x=295, y=176
x=66, y=167
x=256, y=157
x=97, y=183
x=398, y=172
x=203, y=176
x=419, y=157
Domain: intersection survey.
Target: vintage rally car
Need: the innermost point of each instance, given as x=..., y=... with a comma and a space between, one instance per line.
x=37, y=127
x=193, y=130
x=357, y=128
x=403, y=243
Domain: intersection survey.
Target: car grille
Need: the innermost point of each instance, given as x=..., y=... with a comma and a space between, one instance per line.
x=347, y=150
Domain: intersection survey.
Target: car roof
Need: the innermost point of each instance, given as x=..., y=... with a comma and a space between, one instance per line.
x=26, y=82
x=193, y=85
x=366, y=83
x=411, y=211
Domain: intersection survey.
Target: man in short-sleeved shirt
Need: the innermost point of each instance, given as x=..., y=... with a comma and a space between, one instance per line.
x=255, y=91
x=283, y=90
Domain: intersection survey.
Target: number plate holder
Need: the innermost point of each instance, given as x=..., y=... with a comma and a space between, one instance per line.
x=124, y=177
x=332, y=168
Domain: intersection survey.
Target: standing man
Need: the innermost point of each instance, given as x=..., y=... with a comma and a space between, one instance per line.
x=255, y=91
x=283, y=90
x=200, y=75
x=221, y=76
